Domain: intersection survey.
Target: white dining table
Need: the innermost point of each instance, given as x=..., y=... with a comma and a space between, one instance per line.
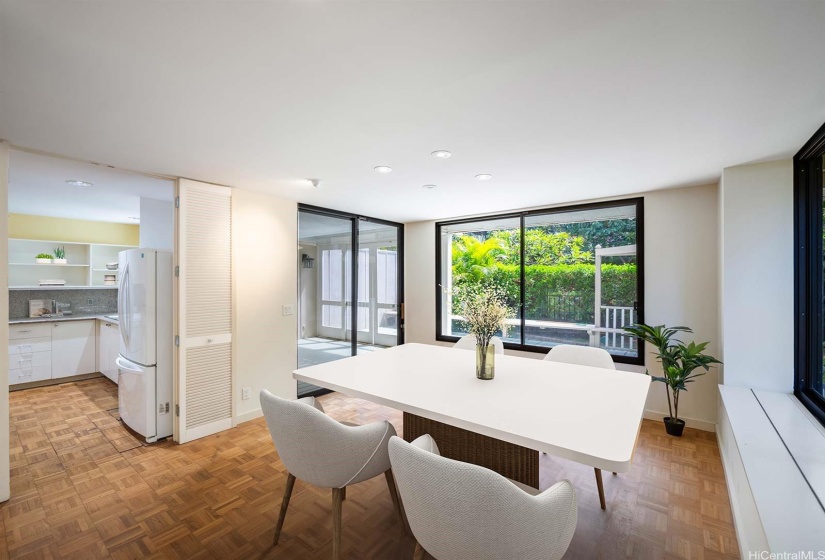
x=585, y=414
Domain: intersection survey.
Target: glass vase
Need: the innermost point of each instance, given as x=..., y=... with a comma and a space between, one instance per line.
x=485, y=361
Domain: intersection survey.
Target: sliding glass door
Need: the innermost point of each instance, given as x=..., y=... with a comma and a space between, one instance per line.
x=378, y=285
x=345, y=258
x=324, y=244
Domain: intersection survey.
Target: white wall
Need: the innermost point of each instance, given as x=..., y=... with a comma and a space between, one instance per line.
x=681, y=270
x=757, y=275
x=5, y=491
x=157, y=223
x=419, y=275
x=265, y=339
x=681, y=264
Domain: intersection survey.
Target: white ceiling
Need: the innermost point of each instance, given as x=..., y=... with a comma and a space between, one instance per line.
x=560, y=101
x=37, y=185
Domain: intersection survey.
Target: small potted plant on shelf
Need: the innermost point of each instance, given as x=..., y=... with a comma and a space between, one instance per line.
x=485, y=313
x=681, y=364
x=43, y=258
x=60, y=255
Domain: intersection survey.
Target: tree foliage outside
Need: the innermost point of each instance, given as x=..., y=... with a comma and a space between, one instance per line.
x=607, y=233
x=559, y=272
x=541, y=247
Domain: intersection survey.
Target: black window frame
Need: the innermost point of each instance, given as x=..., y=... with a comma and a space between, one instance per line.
x=808, y=272
x=522, y=215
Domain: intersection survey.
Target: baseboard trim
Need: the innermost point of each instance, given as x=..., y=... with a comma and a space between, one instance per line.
x=689, y=422
x=56, y=381
x=247, y=416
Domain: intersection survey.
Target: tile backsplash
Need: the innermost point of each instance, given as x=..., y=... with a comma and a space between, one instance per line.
x=81, y=301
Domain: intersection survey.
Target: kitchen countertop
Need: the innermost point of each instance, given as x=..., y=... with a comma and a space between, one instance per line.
x=77, y=317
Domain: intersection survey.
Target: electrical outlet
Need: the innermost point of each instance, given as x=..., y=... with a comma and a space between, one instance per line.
x=246, y=393
x=289, y=310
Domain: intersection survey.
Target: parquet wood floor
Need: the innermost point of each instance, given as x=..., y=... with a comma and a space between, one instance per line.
x=82, y=487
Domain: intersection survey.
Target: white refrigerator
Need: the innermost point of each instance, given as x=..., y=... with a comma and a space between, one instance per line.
x=144, y=306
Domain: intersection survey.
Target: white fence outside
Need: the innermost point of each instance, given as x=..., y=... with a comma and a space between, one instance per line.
x=613, y=319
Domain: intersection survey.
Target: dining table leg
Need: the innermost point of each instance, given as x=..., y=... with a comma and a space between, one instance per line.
x=507, y=459
x=600, y=486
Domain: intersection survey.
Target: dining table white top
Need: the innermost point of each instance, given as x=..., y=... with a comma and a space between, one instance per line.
x=586, y=414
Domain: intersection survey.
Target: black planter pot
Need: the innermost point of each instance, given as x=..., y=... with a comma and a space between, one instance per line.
x=674, y=427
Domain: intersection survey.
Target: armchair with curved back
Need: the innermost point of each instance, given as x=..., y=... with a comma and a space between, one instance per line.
x=321, y=451
x=460, y=511
x=581, y=355
x=584, y=356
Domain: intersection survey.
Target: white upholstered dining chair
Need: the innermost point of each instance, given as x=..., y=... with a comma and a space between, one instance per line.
x=581, y=355
x=317, y=449
x=468, y=342
x=584, y=356
x=459, y=511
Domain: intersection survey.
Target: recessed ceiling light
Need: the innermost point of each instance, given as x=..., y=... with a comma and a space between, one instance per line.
x=76, y=183
x=430, y=186
x=383, y=168
x=441, y=154
x=484, y=176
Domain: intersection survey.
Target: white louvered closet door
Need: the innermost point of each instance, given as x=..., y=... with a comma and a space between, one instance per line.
x=204, y=309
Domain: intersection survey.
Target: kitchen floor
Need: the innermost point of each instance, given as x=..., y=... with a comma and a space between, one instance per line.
x=82, y=489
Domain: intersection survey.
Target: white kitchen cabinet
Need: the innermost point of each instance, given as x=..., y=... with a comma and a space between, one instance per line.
x=26, y=346
x=74, y=350
x=30, y=359
x=108, y=338
x=30, y=330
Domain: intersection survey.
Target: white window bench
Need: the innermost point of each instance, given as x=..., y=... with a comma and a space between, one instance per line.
x=773, y=452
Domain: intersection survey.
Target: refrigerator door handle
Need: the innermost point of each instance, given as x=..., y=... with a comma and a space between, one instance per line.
x=122, y=364
x=123, y=307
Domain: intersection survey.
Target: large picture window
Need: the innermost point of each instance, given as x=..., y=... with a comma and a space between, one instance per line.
x=809, y=272
x=572, y=275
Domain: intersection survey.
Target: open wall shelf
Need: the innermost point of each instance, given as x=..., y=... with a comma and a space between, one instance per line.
x=86, y=265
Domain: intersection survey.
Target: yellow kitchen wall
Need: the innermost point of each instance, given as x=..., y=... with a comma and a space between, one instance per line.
x=25, y=226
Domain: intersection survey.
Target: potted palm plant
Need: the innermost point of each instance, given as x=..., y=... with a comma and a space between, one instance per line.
x=681, y=364
x=485, y=312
